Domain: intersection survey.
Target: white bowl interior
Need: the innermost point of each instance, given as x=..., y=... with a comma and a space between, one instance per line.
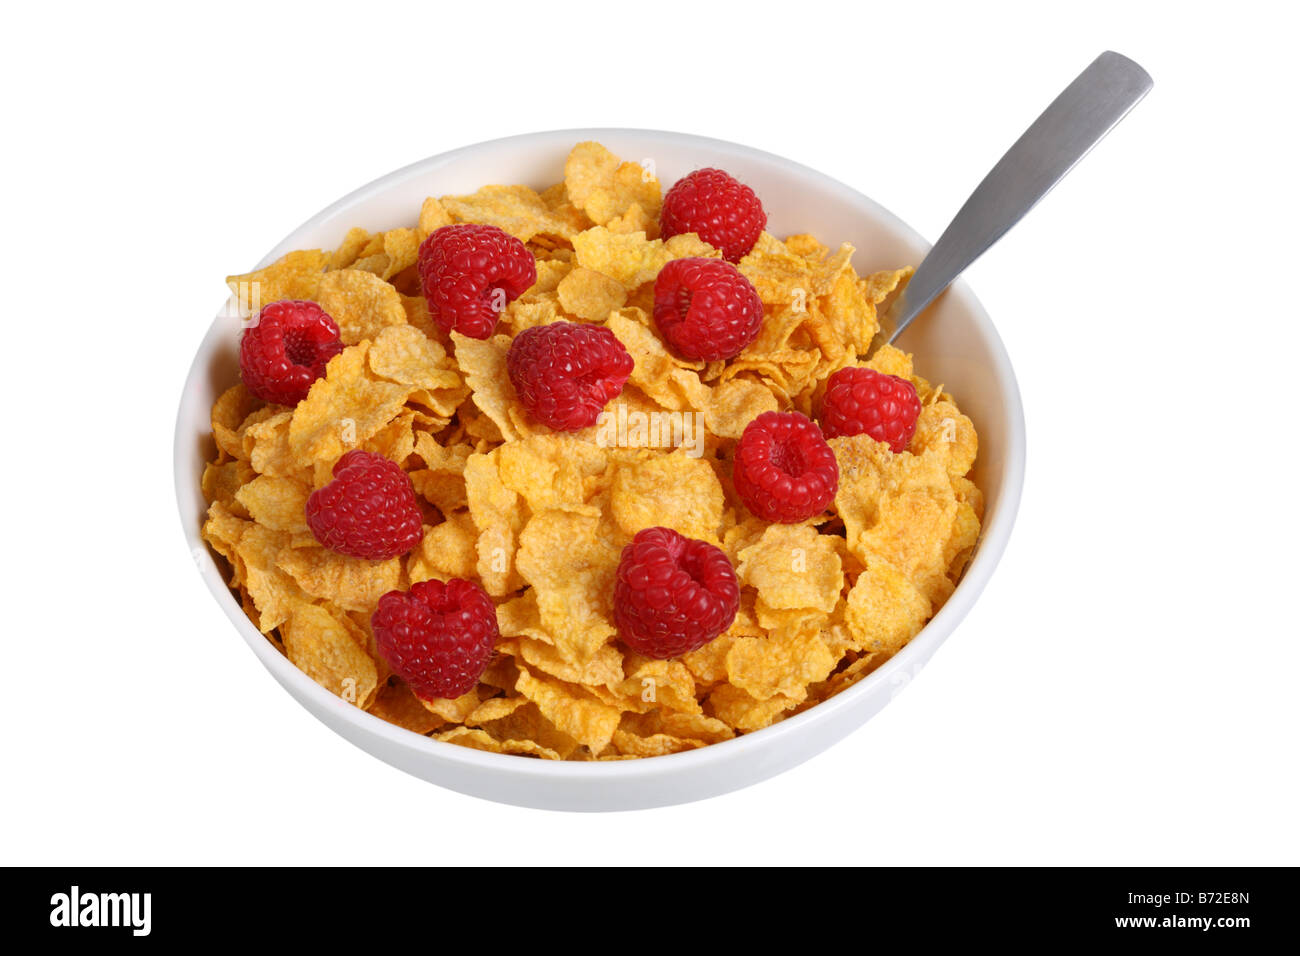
x=955, y=343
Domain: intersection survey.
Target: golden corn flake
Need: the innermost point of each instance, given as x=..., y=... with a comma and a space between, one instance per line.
x=734, y=404
x=708, y=664
x=274, y=592
x=885, y=610
x=791, y=567
x=352, y=584
x=222, y=481
x=571, y=711
x=879, y=286
x=630, y=259
x=266, y=445
x=782, y=278
x=483, y=364
x=343, y=409
x=322, y=648
x=447, y=457
x=968, y=493
x=656, y=745
x=444, y=490
x=590, y=295
x=946, y=432
x=657, y=686
x=635, y=219
x=513, y=209
x=222, y=530
x=634, y=421
x=433, y=216
x=606, y=188
x=396, y=440
x=786, y=371
x=553, y=471
x=407, y=356
x=276, y=503
x=520, y=617
x=654, y=367
x=447, y=550
x=360, y=302
x=888, y=360
x=521, y=728
x=670, y=491
x=402, y=247
x=605, y=667
x=741, y=710
x=550, y=273
x=539, y=518
x=806, y=246
x=229, y=411
x=416, y=308
x=694, y=727
x=495, y=708
x=454, y=710
x=524, y=314
x=296, y=275
x=499, y=515
x=819, y=316
x=742, y=530
x=902, y=509
x=571, y=567
x=851, y=316
x=396, y=704
x=350, y=249
x=781, y=664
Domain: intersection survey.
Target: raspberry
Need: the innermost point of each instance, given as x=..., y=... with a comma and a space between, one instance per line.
x=673, y=594
x=564, y=372
x=470, y=272
x=286, y=350
x=705, y=309
x=368, y=510
x=784, y=470
x=863, y=401
x=723, y=212
x=437, y=637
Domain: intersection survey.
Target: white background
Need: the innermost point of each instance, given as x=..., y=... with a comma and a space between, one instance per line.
x=1124, y=692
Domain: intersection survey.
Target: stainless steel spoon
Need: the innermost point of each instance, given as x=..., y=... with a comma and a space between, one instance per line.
x=1067, y=130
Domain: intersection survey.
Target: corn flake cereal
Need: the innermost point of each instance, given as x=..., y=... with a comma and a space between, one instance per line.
x=571, y=567
x=296, y=276
x=670, y=491
x=607, y=189
x=360, y=302
x=792, y=567
x=539, y=518
x=346, y=407
x=321, y=646
x=514, y=209
x=590, y=295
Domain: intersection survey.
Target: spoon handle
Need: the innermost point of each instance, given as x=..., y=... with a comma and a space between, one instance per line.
x=1067, y=130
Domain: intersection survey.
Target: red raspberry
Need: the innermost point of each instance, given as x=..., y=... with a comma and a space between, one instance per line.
x=287, y=349
x=784, y=470
x=470, y=272
x=706, y=309
x=723, y=212
x=673, y=594
x=437, y=637
x=863, y=401
x=368, y=510
x=564, y=372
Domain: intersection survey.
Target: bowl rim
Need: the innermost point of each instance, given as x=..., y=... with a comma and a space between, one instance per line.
x=993, y=536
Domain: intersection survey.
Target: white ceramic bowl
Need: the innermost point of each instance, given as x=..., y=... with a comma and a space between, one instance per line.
x=955, y=343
